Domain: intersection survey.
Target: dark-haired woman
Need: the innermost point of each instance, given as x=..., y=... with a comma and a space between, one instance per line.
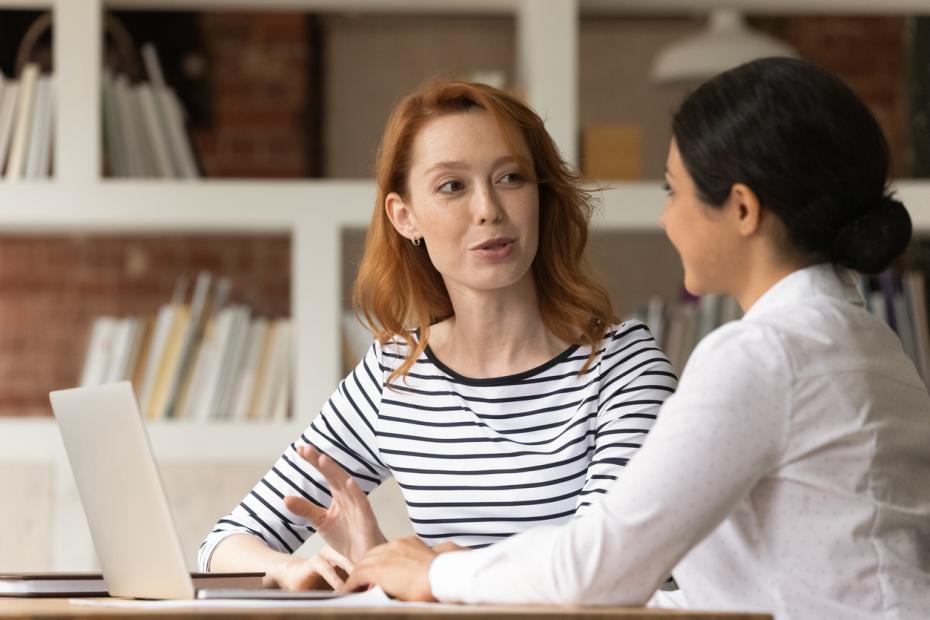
x=789, y=473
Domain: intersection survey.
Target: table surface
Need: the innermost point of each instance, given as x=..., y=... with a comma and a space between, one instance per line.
x=45, y=608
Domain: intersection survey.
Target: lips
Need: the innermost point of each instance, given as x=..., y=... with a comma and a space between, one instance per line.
x=497, y=243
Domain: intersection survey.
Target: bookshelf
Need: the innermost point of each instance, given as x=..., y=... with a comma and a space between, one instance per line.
x=313, y=212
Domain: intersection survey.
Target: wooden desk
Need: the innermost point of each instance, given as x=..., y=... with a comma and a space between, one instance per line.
x=29, y=609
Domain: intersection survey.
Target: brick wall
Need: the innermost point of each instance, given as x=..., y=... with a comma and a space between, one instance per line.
x=870, y=54
x=51, y=288
x=258, y=70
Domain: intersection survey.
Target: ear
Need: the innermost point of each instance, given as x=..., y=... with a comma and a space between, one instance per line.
x=401, y=216
x=747, y=210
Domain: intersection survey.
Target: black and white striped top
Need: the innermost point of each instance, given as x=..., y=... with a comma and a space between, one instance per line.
x=477, y=459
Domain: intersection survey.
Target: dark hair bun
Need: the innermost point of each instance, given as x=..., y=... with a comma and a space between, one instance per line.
x=869, y=243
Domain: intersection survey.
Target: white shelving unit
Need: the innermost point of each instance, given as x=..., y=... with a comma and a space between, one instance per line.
x=313, y=212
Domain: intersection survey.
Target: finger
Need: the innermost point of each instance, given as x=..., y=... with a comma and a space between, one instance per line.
x=360, y=579
x=327, y=572
x=358, y=497
x=305, y=508
x=337, y=559
x=334, y=474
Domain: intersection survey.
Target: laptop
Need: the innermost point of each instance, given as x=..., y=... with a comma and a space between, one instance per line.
x=121, y=490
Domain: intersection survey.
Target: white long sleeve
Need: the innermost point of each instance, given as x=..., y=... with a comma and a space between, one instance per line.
x=701, y=458
x=787, y=475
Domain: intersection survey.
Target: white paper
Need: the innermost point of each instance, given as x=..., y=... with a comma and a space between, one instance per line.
x=368, y=599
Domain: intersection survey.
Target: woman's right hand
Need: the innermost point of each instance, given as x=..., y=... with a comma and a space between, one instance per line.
x=349, y=525
x=327, y=569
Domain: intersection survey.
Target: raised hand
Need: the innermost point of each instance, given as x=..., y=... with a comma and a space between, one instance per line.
x=349, y=525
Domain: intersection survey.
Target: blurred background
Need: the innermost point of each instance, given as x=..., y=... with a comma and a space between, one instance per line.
x=186, y=185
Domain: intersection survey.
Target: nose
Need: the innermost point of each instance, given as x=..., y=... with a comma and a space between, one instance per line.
x=662, y=218
x=486, y=206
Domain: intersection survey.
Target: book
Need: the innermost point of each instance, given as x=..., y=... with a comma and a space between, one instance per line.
x=232, y=358
x=93, y=584
x=915, y=292
x=153, y=128
x=170, y=116
x=112, y=128
x=7, y=115
x=133, y=137
x=52, y=584
x=38, y=154
x=99, y=350
x=199, y=310
x=23, y=124
x=168, y=364
x=248, y=370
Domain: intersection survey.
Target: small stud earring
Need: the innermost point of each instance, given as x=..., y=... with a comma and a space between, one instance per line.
x=416, y=240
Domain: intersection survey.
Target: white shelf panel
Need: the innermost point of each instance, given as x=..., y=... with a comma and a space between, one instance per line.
x=386, y=6
x=769, y=7
x=38, y=440
x=637, y=206
x=278, y=206
x=204, y=206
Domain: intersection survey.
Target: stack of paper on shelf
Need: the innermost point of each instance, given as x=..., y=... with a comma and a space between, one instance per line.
x=144, y=125
x=27, y=107
x=202, y=359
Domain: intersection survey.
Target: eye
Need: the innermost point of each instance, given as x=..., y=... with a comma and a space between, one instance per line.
x=450, y=187
x=512, y=178
x=667, y=188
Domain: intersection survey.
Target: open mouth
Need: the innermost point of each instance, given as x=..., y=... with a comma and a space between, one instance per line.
x=495, y=245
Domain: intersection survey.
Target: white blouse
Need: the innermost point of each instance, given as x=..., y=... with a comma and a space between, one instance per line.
x=789, y=474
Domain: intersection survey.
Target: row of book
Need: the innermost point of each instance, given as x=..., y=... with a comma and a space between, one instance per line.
x=899, y=299
x=26, y=124
x=144, y=125
x=679, y=327
x=200, y=359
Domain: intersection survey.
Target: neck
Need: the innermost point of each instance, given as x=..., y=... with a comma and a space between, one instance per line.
x=762, y=275
x=494, y=333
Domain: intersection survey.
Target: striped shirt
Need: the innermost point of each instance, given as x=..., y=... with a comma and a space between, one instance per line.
x=477, y=460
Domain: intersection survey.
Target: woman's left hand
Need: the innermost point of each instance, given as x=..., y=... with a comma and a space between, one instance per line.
x=400, y=567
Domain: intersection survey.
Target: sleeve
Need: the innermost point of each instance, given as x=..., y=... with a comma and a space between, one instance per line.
x=635, y=380
x=717, y=436
x=345, y=431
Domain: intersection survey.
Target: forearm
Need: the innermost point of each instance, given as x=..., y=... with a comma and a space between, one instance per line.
x=244, y=552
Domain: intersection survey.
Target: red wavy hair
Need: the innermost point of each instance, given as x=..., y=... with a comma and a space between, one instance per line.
x=398, y=288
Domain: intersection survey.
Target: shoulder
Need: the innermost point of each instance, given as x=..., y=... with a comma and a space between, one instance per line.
x=745, y=353
x=629, y=349
x=629, y=338
x=627, y=333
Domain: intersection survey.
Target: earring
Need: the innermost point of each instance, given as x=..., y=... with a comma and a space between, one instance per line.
x=416, y=241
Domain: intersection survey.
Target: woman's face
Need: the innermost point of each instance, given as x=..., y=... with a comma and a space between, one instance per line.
x=708, y=248
x=471, y=201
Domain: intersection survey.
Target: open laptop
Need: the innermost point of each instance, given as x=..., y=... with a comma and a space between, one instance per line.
x=124, y=500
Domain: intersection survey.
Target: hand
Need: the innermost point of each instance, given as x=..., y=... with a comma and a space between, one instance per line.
x=401, y=568
x=349, y=525
x=446, y=547
x=324, y=571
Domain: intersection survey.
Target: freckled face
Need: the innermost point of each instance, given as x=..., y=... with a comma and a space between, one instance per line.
x=473, y=201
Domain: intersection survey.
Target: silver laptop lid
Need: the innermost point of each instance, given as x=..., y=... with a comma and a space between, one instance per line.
x=122, y=493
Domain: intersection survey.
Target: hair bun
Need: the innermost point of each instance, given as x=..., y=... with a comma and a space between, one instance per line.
x=869, y=243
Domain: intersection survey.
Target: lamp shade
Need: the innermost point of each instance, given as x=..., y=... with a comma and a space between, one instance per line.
x=727, y=42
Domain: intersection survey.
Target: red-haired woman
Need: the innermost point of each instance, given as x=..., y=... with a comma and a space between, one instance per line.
x=499, y=392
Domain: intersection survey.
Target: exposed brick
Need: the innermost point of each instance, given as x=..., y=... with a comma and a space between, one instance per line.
x=51, y=289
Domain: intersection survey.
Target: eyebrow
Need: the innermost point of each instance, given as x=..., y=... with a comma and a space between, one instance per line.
x=460, y=165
